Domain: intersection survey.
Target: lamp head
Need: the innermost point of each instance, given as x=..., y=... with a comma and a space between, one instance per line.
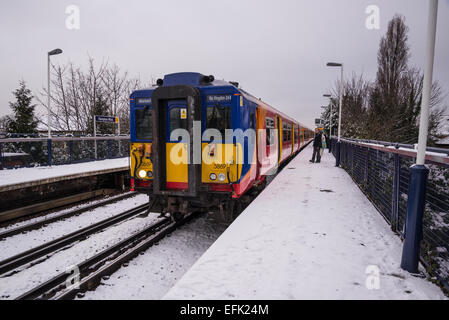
x=333, y=64
x=54, y=52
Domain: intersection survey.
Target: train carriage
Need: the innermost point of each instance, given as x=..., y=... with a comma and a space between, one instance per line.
x=203, y=144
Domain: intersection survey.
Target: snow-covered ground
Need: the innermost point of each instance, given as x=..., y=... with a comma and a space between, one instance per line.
x=13, y=286
x=22, y=175
x=151, y=275
x=311, y=234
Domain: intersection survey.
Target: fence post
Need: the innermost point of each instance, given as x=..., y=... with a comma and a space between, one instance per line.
x=71, y=150
x=49, y=153
x=414, y=220
x=395, y=198
x=109, y=144
x=352, y=146
x=367, y=167
x=337, y=158
x=1, y=157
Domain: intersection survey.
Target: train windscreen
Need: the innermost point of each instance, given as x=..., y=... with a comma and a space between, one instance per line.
x=144, y=124
x=218, y=117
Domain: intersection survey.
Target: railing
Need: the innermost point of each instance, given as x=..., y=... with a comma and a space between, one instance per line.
x=382, y=172
x=41, y=151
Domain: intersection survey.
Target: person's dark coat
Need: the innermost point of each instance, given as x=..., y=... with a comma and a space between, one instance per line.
x=317, y=140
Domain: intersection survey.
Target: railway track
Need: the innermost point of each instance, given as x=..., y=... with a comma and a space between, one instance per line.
x=92, y=270
x=45, y=221
x=40, y=208
x=40, y=253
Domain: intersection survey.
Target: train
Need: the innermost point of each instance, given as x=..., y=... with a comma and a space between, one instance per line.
x=202, y=144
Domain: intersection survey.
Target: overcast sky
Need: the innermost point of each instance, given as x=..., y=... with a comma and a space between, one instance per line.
x=276, y=50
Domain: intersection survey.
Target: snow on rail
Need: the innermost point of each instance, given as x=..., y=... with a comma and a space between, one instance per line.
x=311, y=234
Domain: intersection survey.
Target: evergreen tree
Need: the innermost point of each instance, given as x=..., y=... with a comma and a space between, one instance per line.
x=100, y=109
x=23, y=120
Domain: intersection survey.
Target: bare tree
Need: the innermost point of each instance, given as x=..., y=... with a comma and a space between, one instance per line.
x=78, y=95
x=355, y=104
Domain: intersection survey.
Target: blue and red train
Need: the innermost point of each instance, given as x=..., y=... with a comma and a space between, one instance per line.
x=203, y=144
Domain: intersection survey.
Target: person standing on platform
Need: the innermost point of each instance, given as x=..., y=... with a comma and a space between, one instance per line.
x=323, y=144
x=317, y=145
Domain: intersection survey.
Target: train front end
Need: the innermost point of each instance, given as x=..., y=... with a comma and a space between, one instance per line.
x=180, y=152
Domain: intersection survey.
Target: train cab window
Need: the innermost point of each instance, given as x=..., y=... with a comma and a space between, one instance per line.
x=252, y=121
x=178, y=118
x=270, y=131
x=218, y=117
x=144, y=124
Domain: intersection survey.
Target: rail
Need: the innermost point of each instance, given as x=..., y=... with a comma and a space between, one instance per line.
x=382, y=171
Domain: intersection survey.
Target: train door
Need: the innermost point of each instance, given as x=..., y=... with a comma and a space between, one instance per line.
x=293, y=137
x=279, y=128
x=176, y=113
x=253, y=126
x=176, y=149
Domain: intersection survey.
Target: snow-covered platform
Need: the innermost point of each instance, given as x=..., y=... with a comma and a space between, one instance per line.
x=311, y=234
x=14, y=179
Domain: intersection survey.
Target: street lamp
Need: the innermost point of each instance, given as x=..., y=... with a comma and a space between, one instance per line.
x=51, y=53
x=335, y=64
x=416, y=199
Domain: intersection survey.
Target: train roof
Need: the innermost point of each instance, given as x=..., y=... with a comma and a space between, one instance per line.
x=199, y=80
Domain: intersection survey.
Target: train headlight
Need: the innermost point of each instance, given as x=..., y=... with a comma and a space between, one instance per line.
x=150, y=174
x=221, y=177
x=142, y=174
x=213, y=176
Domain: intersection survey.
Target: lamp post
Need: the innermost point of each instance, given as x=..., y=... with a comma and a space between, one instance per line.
x=51, y=53
x=326, y=95
x=419, y=172
x=325, y=107
x=335, y=64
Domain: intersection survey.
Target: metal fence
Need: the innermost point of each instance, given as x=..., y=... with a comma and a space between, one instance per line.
x=382, y=171
x=41, y=151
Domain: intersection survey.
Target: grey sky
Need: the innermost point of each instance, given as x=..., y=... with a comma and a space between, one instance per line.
x=276, y=49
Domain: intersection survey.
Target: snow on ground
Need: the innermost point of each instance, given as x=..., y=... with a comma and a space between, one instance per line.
x=21, y=175
x=22, y=242
x=311, y=234
x=13, y=286
x=151, y=275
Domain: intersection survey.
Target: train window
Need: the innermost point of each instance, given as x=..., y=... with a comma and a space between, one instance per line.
x=144, y=124
x=218, y=117
x=271, y=138
x=178, y=118
x=286, y=132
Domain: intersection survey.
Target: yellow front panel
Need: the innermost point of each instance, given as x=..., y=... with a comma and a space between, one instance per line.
x=177, y=167
x=140, y=153
x=224, y=155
